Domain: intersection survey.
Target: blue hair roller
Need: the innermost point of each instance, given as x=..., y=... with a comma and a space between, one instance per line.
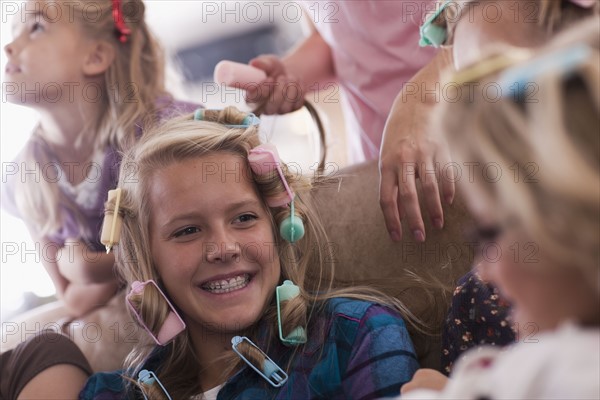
x=248, y=121
x=565, y=61
x=149, y=378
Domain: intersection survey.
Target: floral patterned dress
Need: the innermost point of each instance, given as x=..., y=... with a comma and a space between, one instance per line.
x=478, y=316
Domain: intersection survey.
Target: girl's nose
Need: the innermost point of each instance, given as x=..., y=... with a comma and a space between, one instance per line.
x=222, y=252
x=8, y=49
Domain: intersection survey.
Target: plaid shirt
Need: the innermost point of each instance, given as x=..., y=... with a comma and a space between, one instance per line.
x=356, y=350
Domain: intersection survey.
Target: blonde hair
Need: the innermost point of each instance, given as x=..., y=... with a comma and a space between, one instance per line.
x=303, y=262
x=131, y=86
x=546, y=144
x=547, y=17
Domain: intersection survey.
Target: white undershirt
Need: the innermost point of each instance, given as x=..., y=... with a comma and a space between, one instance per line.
x=208, y=395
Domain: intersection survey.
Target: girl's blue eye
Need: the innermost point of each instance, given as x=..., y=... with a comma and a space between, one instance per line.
x=186, y=231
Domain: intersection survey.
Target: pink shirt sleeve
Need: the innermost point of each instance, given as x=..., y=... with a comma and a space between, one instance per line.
x=375, y=52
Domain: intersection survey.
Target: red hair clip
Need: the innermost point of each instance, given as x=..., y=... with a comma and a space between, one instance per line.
x=122, y=30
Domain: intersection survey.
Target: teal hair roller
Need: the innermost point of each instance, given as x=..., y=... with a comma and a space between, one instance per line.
x=433, y=35
x=285, y=292
x=292, y=228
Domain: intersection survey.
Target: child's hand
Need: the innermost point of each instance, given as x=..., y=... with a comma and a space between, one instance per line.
x=72, y=259
x=78, y=264
x=280, y=92
x=80, y=299
x=426, y=379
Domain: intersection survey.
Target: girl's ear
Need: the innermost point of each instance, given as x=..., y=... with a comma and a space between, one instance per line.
x=99, y=58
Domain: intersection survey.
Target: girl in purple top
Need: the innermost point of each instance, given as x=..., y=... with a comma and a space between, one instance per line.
x=92, y=76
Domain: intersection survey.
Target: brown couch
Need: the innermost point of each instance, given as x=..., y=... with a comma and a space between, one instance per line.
x=422, y=276
x=414, y=273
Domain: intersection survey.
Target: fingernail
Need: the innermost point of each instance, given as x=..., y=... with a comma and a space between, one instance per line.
x=438, y=223
x=419, y=235
x=395, y=236
x=449, y=199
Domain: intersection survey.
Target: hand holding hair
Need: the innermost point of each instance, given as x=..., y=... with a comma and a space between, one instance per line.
x=238, y=75
x=266, y=83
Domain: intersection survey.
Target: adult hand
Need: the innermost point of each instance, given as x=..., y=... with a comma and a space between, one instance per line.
x=280, y=92
x=409, y=152
x=403, y=160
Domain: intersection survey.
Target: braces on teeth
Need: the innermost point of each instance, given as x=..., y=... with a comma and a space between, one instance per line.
x=227, y=285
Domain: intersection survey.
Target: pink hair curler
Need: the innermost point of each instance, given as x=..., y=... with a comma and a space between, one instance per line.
x=263, y=159
x=236, y=74
x=173, y=324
